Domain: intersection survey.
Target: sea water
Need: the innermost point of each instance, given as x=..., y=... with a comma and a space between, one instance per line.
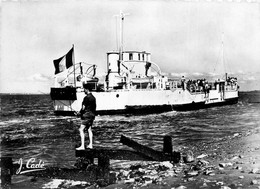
x=29, y=128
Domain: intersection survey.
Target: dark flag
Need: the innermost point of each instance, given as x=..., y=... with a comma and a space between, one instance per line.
x=64, y=62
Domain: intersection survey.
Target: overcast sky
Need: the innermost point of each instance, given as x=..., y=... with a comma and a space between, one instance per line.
x=184, y=38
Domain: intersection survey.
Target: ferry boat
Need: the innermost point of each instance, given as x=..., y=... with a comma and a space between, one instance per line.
x=134, y=84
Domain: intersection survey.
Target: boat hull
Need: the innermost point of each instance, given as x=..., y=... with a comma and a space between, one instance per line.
x=203, y=105
x=141, y=110
x=146, y=101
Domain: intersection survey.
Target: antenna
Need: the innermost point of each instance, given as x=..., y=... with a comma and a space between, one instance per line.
x=75, y=85
x=223, y=56
x=222, y=44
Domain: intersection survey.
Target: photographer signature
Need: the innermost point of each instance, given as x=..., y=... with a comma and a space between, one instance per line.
x=31, y=166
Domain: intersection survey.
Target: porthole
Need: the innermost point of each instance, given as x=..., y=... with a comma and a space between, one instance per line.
x=117, y=95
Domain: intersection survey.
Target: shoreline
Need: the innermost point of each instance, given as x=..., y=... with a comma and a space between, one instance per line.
x=230, y=168
x=232, y=162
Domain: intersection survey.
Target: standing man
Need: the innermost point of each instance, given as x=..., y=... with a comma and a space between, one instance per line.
x=183, y=82
x=87, y=114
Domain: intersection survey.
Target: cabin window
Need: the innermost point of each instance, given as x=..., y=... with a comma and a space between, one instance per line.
x=130, y=56
x=139, y=57
x=143, y=56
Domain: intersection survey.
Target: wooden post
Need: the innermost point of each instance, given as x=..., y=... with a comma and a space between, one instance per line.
x=149, y=152
x=103, y=164
x=167, y=149
x=167, y=144
x=176, y=157
x=6, y=172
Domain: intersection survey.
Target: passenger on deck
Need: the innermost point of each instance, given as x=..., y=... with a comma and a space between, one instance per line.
x=183, y=82
x=196, y=85
x=206, y=90
x=87, y=114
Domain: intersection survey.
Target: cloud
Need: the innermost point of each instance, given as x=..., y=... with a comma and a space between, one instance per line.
x=213, y=74
x=240, y=72
x=249, y=78
x=198, y=74
x=39, y=77
x=178, y=74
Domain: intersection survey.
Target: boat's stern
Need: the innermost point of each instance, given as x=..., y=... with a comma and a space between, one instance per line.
x=65, y=100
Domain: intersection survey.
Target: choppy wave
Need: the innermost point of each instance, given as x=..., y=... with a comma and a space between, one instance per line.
x=10, y=122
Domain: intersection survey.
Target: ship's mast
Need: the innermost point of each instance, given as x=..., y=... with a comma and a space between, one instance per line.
x=121, y=16
x=223, y=61
x=73, y=59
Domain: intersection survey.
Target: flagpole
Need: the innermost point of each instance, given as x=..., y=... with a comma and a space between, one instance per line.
x=74, y=66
